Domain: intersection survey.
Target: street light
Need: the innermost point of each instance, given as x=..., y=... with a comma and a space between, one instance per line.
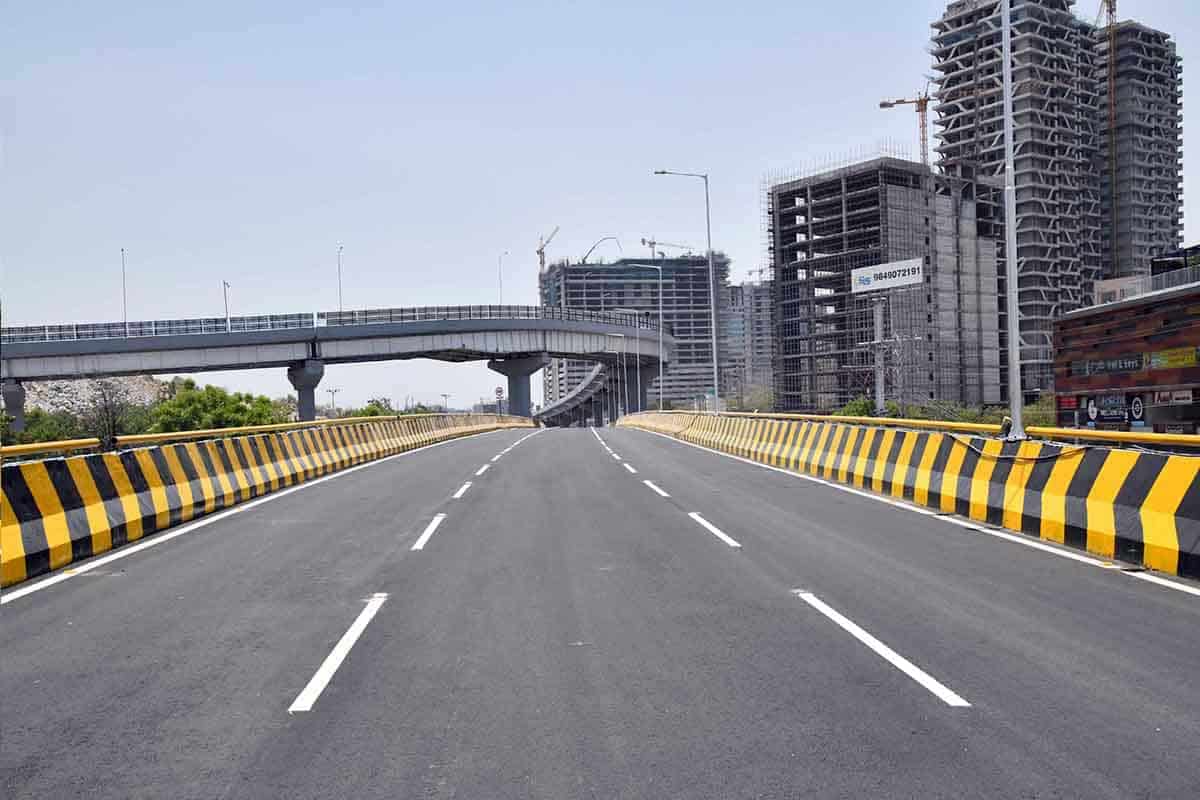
x=124, y=301
x=712, y=281
x=332, y=401
x=660, y=328
x=500, y=273
x=339, y=278
x=224, y=291
x=1015, y=399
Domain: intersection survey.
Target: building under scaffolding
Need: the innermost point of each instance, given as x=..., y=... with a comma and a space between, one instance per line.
x=749, y=341
x=941, y=338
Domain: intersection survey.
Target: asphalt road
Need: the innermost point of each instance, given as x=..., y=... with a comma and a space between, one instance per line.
x=567, y=630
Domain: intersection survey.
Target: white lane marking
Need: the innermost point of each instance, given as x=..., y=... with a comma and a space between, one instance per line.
x=598, y=439
x=461, y=491
x=661, y=493
x=1021, y=539
x=419, y=544
x=614, y=455
x=128, y=550
x=883, y=651
x=482, y=470
x=714, y=530
x=496, y=457
x=320, y=679
x=1179, y=587
x=629, y=467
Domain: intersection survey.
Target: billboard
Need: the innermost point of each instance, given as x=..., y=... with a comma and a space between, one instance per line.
x=887, y=276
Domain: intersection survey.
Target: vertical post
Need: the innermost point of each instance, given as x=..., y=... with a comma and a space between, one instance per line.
x=225, y=292
x=124, y=299
x=1012, y=295
x=339, y=279
x=712, y=296
x=880, y=407
x=660, y=338
x=637, y=360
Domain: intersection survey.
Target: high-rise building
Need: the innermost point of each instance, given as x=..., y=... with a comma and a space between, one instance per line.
x=627, y=286
x=1061, y=137
x=749, y=342
x=1148, y=216
x=940, y=337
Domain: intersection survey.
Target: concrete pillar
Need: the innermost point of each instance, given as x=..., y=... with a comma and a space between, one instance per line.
x=14, y=402
x=518, y=370
x=638, y=400
x=305, y=375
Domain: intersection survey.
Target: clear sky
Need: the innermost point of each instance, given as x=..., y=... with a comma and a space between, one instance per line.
x=243, y=141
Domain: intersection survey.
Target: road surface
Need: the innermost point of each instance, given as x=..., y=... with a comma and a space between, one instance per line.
x=605, y=614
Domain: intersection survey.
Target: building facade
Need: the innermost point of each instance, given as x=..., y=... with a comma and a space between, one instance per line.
x=940, y=338
x=628, y=286
x=749, y=342
x=1066, y=206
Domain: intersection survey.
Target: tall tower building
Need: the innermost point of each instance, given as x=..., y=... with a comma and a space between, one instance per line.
x=1147, y=215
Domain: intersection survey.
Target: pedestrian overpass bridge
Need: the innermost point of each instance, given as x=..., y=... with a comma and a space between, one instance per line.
x=516, y=341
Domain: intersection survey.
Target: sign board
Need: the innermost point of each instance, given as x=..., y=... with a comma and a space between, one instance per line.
x=887, y=276
x=1104, y=408
x=1068, y=402
x=1181, y=397
x=499, y=391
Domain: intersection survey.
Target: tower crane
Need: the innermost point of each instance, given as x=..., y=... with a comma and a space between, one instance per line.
x=653, y=245
x=541, y=248
x=921, y=101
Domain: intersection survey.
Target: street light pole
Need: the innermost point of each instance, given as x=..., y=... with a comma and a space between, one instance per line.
x=1012, y=295
x=225, y=292
x=124, y=301
x=333, y=401
x=500, y=274
x=339, y=278
x=712, y=280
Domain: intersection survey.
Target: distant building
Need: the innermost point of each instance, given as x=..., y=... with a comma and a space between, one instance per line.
x=624, y=286
x=942, y=336
x=750, y=338
x=1131, y=361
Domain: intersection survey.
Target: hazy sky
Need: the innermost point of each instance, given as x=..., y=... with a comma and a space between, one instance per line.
x=244, y=141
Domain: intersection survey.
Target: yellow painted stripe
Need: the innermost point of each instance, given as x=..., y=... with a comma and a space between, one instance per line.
x=1054, y=495
x=815, y=448
x=881, y=456
x=796, y=458
x=158, y=495
x=981, y=479
x=1101, y=516
x=242, y=477
x=179, y=480
x=313, y=448
x=925, y=469
x=836, y=440
x=903, y=462
x=256, y=475
x=93, y=504
x=862, y=463
x=949, y=489
x=221, y=479
x=786, y=432
x=1018, y=479
x=12, y=549
x=129, y=502
x=54, y=521
x=848, y=452
x=1159, y=534
x=283, y=463
x=793, y=444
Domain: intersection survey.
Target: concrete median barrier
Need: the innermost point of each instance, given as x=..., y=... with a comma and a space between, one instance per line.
x=1114, y=502
x=57, y=511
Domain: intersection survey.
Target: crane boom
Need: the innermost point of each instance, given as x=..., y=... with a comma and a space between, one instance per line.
x=921, y=101
x=541, y=248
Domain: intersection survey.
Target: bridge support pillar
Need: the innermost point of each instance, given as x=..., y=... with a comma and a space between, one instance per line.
x=305, y=375
x=14, y=403
x=518, y=370
x=638, y=400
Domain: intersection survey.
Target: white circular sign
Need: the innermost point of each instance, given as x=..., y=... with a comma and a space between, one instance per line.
x=1092, y=410
x=1136, y=409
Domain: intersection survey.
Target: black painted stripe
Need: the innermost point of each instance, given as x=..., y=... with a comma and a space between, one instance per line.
x=233, y=467
x=996, y=487
x=168, y=481
x=29, y=518
x=114, y=509
x=241, y=465
x=215, y=471
x=193, y=477
x=889, y=467
x=872, y=454
x=141, y=487
x=937, y=471
x=1131, y=543
x=279, y=460
x=1075, y=530
x=1187, y=529
x=909, y=478
x=1039, y=476
x=962, y=500
x=258, y=465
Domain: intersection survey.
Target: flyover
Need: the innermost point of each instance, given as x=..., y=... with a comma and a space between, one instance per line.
x=515, y=340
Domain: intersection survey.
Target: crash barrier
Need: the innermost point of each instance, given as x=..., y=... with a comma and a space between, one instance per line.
x=1115, y=502
x=59, y=510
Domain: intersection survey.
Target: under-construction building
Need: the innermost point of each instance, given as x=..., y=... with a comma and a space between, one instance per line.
x=630, y=286
x=1061, y=125
x=940, y=337
x=1144, y=131
x=749, y=341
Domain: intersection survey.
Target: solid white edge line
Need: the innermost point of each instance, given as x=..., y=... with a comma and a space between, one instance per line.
x=152, y=540
x=496, y=457
x=714, y=530
x=614, y=455
x=482, y=470
x=1024, y=541
x=660, y=492
x=629, y=467
x=461, y=491
x=419, y=544
x=597, y=435
x=320, y=679
x=883, y=651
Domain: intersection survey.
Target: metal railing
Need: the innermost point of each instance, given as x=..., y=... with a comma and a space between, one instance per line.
x=275, y=322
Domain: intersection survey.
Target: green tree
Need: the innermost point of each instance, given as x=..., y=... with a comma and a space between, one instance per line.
x=860, y=406
x=192, y=408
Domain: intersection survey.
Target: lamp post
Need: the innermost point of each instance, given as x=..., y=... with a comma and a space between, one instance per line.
x=124, y=301
x=225, y=292
x=339, y=254
x=712, y=281
x=1012, y=296
x=332, y=401
x=660, y=328
x=500, y=273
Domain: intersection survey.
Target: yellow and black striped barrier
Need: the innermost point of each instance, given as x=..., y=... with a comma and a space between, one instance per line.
x=1137, y=506
x=59, y=510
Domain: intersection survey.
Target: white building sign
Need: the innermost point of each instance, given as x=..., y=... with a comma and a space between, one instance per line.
x=887, y=276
